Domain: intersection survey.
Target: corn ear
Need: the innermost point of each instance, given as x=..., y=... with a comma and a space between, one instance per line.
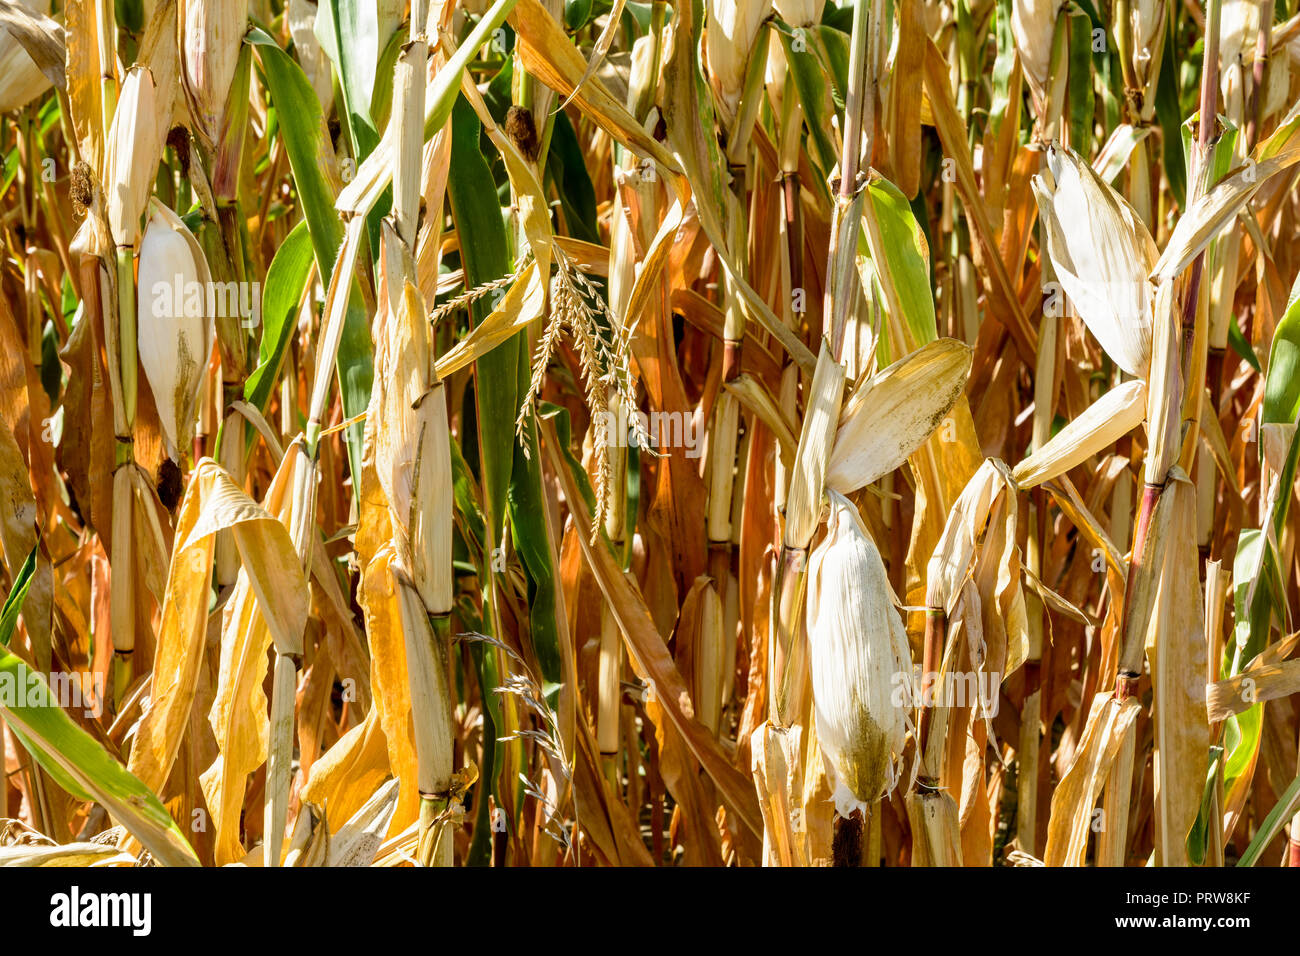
x=135, y=145
x=730, y=32
x=861, y=664
x=211, y=35
x=174, y=328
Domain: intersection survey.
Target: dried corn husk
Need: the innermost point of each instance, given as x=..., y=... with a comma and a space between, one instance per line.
x=1147, y=18
x=1102, y=423
x=1102, y=254
x=135, y=146
x=1032, y=23
x=895, y=411
x=799, y=13
x=21, y=80
x=174, y=329
x=803, y=504
x=955, y=553
x=211, y=35
x=1238, y=31
x=861, y=664
x=729, y=35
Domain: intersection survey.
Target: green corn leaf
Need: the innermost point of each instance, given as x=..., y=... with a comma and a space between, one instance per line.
x=907, y=258
x=485, y=256
x=1282, y=384
x=286, y=281
x=1272, y=824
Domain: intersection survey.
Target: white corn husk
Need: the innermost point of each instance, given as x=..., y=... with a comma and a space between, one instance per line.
x=21, y=81
x=211, y=34
x=174, y=324
x=135, y=146
x=895, y=411
x=861, y=664
x=1277, y=81
x=729, y=34
x=1233, y=86
x=1102, y=254
x=816, y=437
x=949, y=567
x=1101, y=424
x=1238, y=31
x=799, y=13
x=1033, y=23
x=1147, y=17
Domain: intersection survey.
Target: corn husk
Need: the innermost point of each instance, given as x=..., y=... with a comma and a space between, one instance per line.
x=1102, y=254
x=951, y=562
x=135, y=146
x=803, y=504
x=21, y=80
x=729, y=34
x=1238, y=31
x=211, y=35
x=1100, y=425
x=1147, y=17
x=861, y=664
x=174, y=330
x=301, y=15
x=799, y=13
x=895, y=411
x=1032, y=24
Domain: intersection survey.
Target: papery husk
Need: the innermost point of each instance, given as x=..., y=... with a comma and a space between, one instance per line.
x=210, y=36
x=952, y=560
x=135, y=147
x=1238, y=31
x=1099, y=426
x=1102, y=254
x=731, y=28
x=816, y=438
x=799, y=13
x=1176, y=649
x=860, y=660
x=21, y=80
x=1033, y=23
x=894, y=412
x=174, y=347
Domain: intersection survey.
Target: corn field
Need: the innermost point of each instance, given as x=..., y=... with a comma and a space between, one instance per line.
x=615, y=433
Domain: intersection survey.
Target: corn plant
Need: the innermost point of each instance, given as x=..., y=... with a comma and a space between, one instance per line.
x=605, y=432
